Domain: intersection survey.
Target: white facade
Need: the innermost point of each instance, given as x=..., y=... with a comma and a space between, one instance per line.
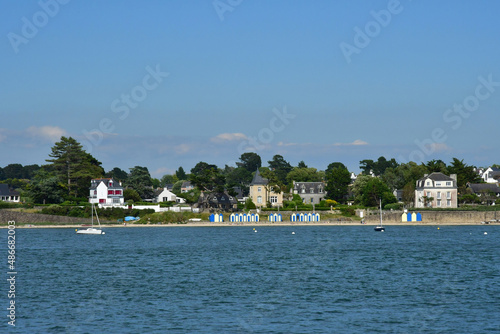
x=489, y=175
x=106, y=192
x=166, y=196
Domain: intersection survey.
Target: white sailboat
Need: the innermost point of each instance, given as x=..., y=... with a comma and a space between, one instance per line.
x=379, y=227
x=92, y=230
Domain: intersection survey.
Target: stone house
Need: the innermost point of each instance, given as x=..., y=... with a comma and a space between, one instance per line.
x=309, y=192
x=261, y=193
x=436, y=190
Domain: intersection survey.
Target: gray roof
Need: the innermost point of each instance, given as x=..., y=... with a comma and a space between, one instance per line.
x=6, y=191
x=436, y=176
x=259, y=180
x=481, y=187
x=315, y=186
x=107, y=181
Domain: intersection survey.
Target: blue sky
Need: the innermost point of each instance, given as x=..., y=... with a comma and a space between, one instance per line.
x=164, y=84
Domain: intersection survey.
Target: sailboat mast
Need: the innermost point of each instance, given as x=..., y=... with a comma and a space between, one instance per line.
x=380, y=206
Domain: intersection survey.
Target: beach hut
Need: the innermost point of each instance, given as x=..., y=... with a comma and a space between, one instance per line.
x=419, y=217
x=316, y=217
x=404, y=217
x=232, y=218
x=408, y=217
x=414, y=217
x=216, y=218
x=293, y=217
x=302, y=217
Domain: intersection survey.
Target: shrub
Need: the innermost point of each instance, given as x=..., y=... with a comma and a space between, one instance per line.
x=394, y=206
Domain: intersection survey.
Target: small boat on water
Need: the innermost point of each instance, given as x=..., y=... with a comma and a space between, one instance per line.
x=379, y=227
x=92, y=229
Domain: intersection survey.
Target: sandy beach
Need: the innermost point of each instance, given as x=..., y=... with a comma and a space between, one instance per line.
x=251, y=224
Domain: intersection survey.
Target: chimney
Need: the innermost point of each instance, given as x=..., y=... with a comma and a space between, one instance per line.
x=454, y=176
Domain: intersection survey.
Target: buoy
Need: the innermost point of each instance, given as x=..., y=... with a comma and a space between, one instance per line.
x=485, y=233
x=293, y=232
x=438, y=228
x=103, y=232
x=255, y=231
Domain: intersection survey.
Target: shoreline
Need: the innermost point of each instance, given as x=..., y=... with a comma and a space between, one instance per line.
x=250, y=224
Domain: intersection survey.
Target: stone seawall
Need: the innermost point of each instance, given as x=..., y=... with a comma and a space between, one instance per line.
x=439, y=217
x=34, y=218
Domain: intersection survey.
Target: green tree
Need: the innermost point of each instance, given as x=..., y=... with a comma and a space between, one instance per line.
x=335, y=165
x=46, y=188
x=436, y=166
x=168, y=179
x=464, y=173
x=130, y=194
x=208, y=177
x=181, y=174
x=280, y=167
x=117, y=174
x=337, y=184
x=238, y=177
x=250, y=161
x=374, y=190
x=304, y=175
x=301, y=164
x=75, y=166
x=140, y=180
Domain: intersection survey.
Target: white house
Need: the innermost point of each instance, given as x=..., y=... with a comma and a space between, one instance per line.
x=436, y=191
x=165, y=195
x=491, y=175
x=107, y=192
x=8, y=195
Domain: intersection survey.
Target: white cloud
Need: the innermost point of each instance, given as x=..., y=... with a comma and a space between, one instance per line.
x=357, y=142
x=182, y=148
x=225, y=137
x=438, y=147
x=48, y=133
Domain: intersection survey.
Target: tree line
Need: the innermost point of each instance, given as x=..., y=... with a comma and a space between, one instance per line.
x=66, y=177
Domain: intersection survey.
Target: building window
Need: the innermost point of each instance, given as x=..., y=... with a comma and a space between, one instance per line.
x=438, y=184
x=448, y=202
x=259, y=189
x=303, y=189
x=111, y=192
x=274, y=199
x=312, y=200
x=448, y=194
x=438, y=195
x=448, y=184
x=259, y=199
x=428, y=194
x=428, y=184
x=438, y=202
x=116, y=201
x=102, y=200
x=320, y=190
x=312, y=190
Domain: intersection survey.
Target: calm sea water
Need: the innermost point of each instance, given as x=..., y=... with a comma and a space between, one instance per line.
x=338, y=279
